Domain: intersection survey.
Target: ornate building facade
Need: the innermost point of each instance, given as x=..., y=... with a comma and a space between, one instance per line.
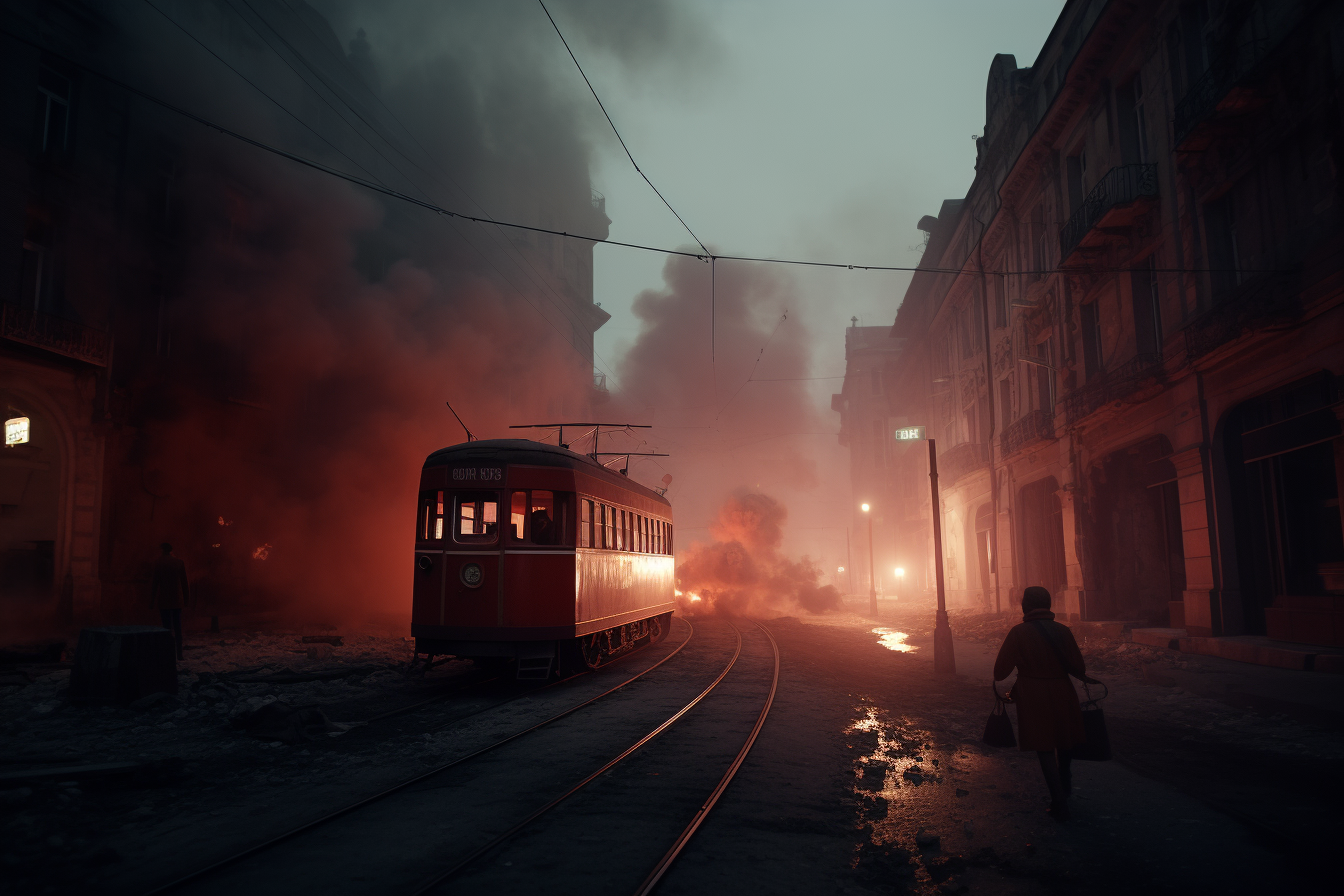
x=1128, y=337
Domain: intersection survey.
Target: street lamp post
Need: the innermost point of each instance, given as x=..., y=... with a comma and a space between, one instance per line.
x=872, y=576
x=944, y=660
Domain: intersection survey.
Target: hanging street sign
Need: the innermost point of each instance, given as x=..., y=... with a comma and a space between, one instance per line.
x=910, y=434
x=16, y=431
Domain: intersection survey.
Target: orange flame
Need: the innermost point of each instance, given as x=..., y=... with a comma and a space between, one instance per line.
x=262, y=552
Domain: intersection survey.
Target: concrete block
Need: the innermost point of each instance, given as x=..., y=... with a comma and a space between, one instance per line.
x=1158, y=637
x=1248, y=651
x=1329, y=662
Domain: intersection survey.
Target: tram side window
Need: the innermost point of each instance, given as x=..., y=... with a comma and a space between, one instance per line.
x=543, y=523
x=430, y=523
x=608, y=527
x=476, y=519
x=671, y=539
x=517, y=515
x=585, y=523
x=644, y=534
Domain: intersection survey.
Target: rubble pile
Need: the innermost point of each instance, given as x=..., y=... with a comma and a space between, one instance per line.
x=1107, y=655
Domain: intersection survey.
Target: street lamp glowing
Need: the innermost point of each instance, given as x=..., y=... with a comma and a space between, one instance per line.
x=839, y=569
x=899, y=572
x=863, y=507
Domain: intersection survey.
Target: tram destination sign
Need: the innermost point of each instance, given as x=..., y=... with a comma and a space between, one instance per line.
x=910, y=434
x=478, y=474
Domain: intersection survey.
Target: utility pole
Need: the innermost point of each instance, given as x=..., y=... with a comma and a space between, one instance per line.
x=944, y=660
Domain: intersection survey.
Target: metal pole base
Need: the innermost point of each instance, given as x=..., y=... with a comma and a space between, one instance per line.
x=944, y=658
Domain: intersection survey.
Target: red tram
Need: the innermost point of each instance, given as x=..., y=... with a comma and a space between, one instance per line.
x=533, y=552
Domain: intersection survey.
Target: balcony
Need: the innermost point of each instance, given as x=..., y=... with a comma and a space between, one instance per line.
x=962, y=459
x=1219, y=90
x=1265, y=302
x=1036, y=426
x=1112, y=386
x=1114, y=203
x=55, y=334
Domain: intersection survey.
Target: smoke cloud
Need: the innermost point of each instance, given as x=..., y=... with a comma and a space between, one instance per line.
x=741, y=572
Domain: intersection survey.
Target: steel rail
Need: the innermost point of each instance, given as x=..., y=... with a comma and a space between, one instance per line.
x=437, y=879
x=666, y=861
x=345, y=810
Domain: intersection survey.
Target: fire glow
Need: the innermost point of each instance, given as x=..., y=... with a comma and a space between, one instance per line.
x=262, y=552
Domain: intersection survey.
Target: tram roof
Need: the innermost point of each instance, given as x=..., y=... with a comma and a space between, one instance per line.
x=526, y=451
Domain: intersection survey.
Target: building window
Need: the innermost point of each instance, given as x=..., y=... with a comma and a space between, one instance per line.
x=1074, y=168
x=1000, y=301
x=53, y=109
x=1045, y=378
x=1006, y=400
x=1091, y=335
x=30, y=275
x=1133, y=125
x=1147, y=307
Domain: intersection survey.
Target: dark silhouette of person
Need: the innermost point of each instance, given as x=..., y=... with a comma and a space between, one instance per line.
x=1049, y=718
x=169, y=591
x=543, y=530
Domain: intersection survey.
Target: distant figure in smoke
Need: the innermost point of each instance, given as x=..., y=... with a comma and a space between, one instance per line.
x=169, y=592
x=1049, y=718
x=543, y=530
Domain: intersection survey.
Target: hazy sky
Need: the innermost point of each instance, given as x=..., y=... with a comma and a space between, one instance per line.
x=815, y=130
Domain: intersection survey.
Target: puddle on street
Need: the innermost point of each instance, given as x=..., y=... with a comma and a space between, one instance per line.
x=894, y=640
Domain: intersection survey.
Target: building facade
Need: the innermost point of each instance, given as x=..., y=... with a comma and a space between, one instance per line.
x=108, y=201
x=1130, y=340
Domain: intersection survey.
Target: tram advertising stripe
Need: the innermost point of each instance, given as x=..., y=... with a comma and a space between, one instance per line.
x=507, y=835
x=332, y=816
x=665, y=863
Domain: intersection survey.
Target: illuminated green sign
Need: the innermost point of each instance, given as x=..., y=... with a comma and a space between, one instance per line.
x=910, y=434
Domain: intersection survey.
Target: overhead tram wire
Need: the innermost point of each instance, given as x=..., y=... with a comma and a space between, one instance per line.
x=375, y=187
x=621, y=139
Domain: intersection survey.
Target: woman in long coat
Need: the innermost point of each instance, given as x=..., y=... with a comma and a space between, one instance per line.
x=1049, y=718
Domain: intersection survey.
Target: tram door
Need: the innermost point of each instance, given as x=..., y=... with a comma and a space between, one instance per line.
x=427, y=588
x=471, y=559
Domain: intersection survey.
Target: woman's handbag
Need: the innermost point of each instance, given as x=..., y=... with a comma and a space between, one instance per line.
x=1097, y=747
x=999, y=728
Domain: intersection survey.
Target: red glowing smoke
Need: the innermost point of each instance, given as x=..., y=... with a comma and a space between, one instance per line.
x=742, y=572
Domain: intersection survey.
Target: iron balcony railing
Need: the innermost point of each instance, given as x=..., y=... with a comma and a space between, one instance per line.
x=962, y=459
x=55, y=334
x=1036, y=426
x=1264, y=302
x=1207, y=92
x=1113, y=385
x=1121, y=186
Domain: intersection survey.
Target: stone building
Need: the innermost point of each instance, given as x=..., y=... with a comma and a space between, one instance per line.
x=1132, y=356
x=106, y=199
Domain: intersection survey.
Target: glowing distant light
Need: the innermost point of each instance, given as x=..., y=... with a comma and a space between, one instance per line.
x=899, y=572
x=16, y=431
x=839, y=569
x=863, y=507
x=262, y=552
x=695, y=598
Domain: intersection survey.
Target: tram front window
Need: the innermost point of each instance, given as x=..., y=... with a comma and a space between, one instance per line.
x=477, y=518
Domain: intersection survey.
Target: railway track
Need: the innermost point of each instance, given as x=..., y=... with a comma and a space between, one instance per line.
x=233, y=859
x=311, y=850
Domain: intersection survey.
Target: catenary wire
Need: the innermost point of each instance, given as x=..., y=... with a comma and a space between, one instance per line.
x=662, y=250
x=615, y=131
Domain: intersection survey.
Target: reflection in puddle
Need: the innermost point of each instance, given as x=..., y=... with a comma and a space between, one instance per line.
x=902, y=756
x=894, y=640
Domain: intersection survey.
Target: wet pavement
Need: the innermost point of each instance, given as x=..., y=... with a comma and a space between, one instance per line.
x=869, y=776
